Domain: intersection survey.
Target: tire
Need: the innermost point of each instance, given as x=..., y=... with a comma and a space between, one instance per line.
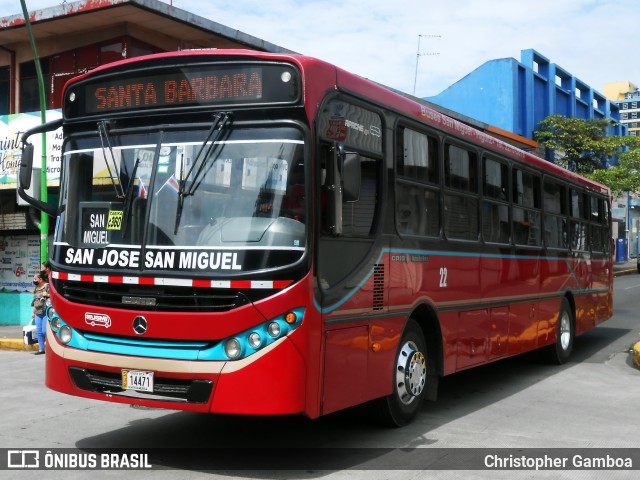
x=560, y=351
x=409, y=377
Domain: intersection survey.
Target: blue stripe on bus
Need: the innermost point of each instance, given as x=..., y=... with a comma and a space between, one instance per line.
x=385, y=250
x=193, y=350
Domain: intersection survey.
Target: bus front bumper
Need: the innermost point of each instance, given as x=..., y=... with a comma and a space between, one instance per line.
x=269, y=382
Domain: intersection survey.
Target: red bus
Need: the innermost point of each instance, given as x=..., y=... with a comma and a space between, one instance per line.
x=250, y=233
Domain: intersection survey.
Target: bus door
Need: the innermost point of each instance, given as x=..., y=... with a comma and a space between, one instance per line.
x=350, y=269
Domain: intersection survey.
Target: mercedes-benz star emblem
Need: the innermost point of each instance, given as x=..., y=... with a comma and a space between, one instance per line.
x=140, y=325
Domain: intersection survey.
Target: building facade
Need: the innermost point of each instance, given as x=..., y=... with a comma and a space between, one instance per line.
x=516, y=95
x=627, y=97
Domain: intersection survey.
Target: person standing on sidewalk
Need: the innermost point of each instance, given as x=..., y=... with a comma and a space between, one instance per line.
x=46, y=269
x=40, y=296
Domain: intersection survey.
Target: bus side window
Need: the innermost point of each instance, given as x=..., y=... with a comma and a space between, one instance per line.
x=526, y=210
x=495, y=207
x=418, y=210
x=461, y=201
x=417, y=194
x=556, y=233
x=578, y=210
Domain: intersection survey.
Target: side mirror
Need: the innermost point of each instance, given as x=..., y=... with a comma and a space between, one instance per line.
x=345, y=179
x=26, y=166
x=335, y=182
x=351, y=177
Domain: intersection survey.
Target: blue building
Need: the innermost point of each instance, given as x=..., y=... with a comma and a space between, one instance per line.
x=516, y=95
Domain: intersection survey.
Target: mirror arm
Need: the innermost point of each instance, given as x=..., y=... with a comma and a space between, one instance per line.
x=44, y=207
x=42, y=128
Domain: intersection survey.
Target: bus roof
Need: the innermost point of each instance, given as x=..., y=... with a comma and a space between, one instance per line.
x=326, y=76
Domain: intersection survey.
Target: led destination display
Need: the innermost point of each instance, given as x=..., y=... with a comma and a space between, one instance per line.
x=184, y=87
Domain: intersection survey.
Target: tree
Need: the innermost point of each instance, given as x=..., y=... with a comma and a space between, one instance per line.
x=585, y=147
x=584, y=144
x=623, y=177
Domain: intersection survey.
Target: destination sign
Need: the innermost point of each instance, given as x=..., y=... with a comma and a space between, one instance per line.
x=184, y=87
x=184, y=259
x=99, y=221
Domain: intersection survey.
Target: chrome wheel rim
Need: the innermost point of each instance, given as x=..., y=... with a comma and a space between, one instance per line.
x=411, y=373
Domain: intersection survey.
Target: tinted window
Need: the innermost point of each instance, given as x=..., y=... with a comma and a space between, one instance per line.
x=578, y=204
x=460, y=169
x=461, y=217
x=555, y=200
x=418, y=157
x=526, y=189
x=418, y=210
x=496, y=180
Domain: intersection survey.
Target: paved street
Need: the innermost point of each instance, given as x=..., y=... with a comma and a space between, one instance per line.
x=591, y=402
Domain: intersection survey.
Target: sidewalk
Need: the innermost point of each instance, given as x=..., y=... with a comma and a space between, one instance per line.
x=625, y=268
x=11, y=335
x=11, y=339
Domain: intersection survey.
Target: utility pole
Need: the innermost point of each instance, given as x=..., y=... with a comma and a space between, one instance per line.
x=44, y=219
x=418, y=55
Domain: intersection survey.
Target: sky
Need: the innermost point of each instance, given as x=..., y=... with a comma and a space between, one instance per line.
x=424, y=46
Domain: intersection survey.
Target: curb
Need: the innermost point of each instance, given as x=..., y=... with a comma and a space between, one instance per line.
x=636, y=354
x=625, y=272
x=16, y=344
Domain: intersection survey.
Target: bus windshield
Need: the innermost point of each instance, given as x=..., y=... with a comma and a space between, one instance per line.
x=242, y=190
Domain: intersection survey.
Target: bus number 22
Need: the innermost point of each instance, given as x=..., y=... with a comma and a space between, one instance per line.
x=443, y=277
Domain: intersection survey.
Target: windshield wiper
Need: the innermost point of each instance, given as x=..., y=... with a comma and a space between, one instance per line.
x=104, y=137
x=128, y=198
x=220, y=121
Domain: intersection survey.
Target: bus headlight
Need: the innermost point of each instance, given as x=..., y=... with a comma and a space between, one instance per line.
x=273, y=329
x=254, y=340
x=56, y=323
x=247, y=342
x=65, y=334
x=232, y=348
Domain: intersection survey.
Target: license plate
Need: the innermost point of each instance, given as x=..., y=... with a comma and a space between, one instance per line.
x=137, y=380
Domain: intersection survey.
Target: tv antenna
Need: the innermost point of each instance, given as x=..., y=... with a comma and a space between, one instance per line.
x=419, y=54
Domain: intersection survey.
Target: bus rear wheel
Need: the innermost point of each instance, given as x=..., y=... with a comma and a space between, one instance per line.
x=410, y=376
x=559, y=352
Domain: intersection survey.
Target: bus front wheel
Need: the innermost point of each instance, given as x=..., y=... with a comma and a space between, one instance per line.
x=409, y=379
